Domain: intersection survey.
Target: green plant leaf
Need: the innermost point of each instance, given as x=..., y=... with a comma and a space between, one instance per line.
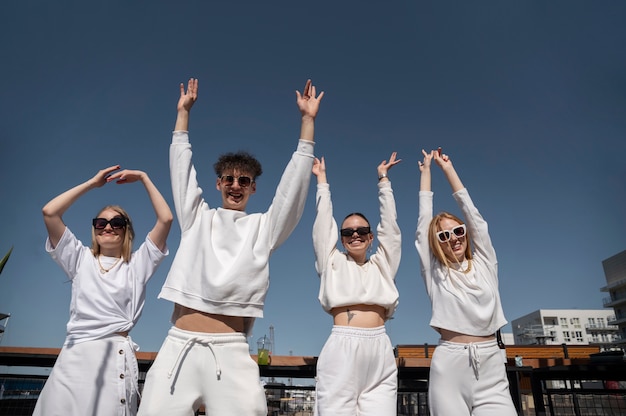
x=5, y=259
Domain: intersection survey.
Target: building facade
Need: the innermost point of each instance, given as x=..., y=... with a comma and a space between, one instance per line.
x=615, y=274
x=566, y=326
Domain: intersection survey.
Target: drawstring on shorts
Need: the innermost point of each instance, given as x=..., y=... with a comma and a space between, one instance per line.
x=207, y=342
x=473, y=351
x=474, y=355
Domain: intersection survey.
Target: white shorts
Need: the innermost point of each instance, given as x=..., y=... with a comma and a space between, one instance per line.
x=196, y=368
x=357, y=374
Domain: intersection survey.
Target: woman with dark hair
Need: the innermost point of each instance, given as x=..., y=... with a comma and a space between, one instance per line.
x=356, y=370
x=96, y=372
x=467, y=374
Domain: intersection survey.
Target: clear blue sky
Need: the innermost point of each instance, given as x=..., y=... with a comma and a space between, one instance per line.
x=528, y=98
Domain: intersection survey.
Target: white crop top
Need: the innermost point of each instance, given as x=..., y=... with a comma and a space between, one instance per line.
x=465, y=303
x=343, y=281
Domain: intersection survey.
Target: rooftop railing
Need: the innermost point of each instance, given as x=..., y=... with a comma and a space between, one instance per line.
x=553, y=385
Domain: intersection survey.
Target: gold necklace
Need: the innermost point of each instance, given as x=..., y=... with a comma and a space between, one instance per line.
x=102, y=269
x=469, y=267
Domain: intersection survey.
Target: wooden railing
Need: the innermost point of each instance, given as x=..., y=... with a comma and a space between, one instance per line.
x=541, y=364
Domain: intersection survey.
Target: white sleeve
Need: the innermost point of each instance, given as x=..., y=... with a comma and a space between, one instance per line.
x=476, y=225
x=424, y=218
x=388, y=231
x=324, y=228
x=186, y=193
x=288, y=203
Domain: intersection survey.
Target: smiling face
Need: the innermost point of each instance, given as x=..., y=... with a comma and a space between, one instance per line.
x=356, y=245
x=109, y=239
x=235, y=196
x=454, y=249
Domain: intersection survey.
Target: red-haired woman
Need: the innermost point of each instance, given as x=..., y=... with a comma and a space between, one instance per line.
x=467, y=374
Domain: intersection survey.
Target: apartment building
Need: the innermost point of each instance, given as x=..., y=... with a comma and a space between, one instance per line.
x=615, y=274
x=566, y=326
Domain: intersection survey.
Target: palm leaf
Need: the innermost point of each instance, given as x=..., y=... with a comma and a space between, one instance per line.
x=5, y=259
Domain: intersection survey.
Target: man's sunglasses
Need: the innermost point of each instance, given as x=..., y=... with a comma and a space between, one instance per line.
x=243, y=181
x=116, y=223
x=348, y=232
x=444, y=235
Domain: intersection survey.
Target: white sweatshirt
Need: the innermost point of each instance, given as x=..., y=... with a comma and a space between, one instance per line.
x=465, y=303
x=343, y=281
x=221, y=265
x=103, y=303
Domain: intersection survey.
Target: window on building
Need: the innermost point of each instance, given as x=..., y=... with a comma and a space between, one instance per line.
x=575, y=322
x=601, y=323
x=566, y=336
x=563, y=322
x=579, y=336
x=592, y=322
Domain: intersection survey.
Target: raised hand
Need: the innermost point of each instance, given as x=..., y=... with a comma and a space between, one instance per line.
x=102, y=177
x=442, y=159
x=319, y=170
x=126, y=176
x=428, y=157
x=309, y=102
x=189, y=97
x=384, y=166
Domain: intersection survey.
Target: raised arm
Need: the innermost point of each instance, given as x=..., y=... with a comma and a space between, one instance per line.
x=324, y=226
x=290, y=197
x=424, y=218
x=186, y=193
x=185, y=102
x=53, y=211
x=425, y=177
x=388, y=231
x=164, y=216
x=445, y=164
x=309, y=104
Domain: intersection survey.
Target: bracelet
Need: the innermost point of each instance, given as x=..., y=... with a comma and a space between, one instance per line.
x=384, y=175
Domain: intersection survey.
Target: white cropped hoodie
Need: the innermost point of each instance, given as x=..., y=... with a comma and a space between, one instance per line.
x=465, y=303
x=343, y=281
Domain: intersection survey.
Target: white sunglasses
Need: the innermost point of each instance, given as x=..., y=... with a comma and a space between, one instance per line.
x=444, y=235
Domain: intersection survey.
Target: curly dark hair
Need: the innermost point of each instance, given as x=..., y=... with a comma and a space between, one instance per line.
x=242, y=161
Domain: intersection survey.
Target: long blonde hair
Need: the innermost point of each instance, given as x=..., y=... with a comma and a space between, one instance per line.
x=433, y=241
x=129, y=235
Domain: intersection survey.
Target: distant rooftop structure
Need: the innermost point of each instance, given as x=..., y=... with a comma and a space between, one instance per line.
x=615, y=274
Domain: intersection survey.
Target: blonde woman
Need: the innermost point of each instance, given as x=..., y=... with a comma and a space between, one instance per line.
x=96, y=372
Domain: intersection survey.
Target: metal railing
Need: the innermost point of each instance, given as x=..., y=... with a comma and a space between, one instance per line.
x=597, y=387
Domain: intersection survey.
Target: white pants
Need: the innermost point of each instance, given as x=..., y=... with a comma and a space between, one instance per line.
x=357, y=374
x=469, y=379
x=196, y=368
x=96, y=378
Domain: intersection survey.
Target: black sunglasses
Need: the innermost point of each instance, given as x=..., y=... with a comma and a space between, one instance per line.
x=243, y=181
x=116, y=223
x=347, y=232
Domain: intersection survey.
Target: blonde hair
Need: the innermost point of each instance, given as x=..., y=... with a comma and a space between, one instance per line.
x=129, y=235
x=433, y=241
